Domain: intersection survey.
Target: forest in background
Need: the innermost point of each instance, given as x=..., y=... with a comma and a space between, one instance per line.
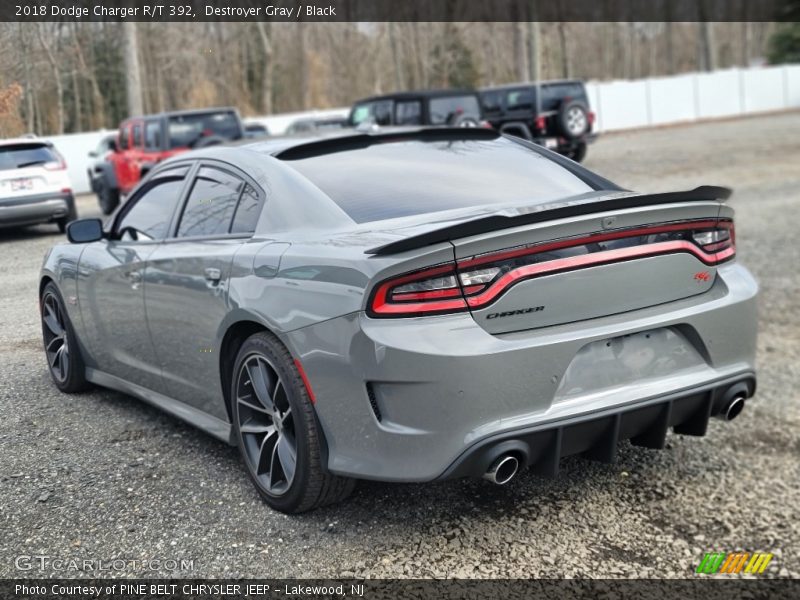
x=78, y=76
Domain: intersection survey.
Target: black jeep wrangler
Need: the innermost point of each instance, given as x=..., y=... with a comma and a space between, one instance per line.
x=453, y=108
x=554, y=114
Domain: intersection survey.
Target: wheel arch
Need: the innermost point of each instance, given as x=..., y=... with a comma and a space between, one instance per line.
x=43, y=281
x=234, y=333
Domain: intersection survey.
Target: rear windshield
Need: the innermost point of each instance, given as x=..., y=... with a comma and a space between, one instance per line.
x=403, y=178
x=18, y=156
x=187, y=130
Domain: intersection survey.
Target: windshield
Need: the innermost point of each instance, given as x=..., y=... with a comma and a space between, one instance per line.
x=187, y=130
x=18, y=156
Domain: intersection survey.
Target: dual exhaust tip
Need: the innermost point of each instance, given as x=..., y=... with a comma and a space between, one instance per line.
x=503, y=469
x=732, y=408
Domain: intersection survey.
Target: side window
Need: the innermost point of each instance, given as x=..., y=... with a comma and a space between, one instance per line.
x=248, y=211
x=491, y=101
x=137, y=136
x=123, y=137
x=408, y=113
x=152, y=135
x=382, y=112
x=211, y=204
x=151, y=213
x=521, y=99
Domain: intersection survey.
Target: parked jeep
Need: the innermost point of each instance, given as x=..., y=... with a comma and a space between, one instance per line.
x=142, y=142
x=554, y=114
x=455, y=108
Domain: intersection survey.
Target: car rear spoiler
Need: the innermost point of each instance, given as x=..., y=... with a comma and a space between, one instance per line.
x=703, y=193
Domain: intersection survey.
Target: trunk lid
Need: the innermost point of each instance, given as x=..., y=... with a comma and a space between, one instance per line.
x=587, y=266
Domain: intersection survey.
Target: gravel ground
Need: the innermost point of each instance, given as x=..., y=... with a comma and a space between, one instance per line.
x=103, y=476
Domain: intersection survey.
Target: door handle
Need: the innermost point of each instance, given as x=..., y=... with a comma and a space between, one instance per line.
x=212, y=275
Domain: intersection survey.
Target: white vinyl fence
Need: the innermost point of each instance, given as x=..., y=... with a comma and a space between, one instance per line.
x=618, y=104
x=694, y=96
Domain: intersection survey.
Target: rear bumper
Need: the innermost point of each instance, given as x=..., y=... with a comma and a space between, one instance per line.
x=417, y=399
x=564, y=144
x=30, y=210
x=597, y=436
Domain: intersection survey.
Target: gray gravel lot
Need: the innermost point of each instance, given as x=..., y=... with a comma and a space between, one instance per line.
x=103, y=476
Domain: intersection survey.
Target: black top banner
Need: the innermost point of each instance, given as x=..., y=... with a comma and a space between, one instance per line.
x=400, y=10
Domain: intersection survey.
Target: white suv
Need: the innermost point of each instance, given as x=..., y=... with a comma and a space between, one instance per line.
x=34, y=186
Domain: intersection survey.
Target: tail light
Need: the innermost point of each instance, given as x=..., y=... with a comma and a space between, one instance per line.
x=478, y=281
x=429, y=291
x=55, y=165
x=539, y=123
x=592, y=117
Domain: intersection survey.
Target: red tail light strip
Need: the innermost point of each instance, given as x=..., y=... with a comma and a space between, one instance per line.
x=595, y=259
x=589, y=239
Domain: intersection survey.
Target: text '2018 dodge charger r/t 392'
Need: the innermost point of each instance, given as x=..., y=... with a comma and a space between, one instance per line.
x=406, y=306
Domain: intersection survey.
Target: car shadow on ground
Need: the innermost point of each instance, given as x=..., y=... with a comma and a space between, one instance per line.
x=21, y=234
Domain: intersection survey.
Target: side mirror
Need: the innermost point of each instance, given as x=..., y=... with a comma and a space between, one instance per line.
x=84, y=231
x=92, y=154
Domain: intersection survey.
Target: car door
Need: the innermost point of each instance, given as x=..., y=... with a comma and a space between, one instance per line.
x=111, y=277
x=187, y=279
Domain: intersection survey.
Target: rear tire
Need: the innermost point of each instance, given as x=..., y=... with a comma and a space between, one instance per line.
x=107, y=197
x=64, y=359
x=578, y=153
x=72, y=214
x=277, y=432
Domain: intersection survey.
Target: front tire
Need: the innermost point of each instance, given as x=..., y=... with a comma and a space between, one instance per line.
x=64, y=359
x=277, y=432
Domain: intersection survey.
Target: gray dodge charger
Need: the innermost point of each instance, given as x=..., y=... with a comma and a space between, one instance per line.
x=409, y=305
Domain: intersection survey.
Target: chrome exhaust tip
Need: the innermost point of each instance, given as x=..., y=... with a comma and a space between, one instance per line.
x=502, y=470
x=733, y=408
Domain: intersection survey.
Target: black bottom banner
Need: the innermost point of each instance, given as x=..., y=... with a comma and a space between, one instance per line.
x=501, y=589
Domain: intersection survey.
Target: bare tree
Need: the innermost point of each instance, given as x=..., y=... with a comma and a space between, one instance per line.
x=266, y=73
x=133, y=80
x=56, y=73
x=520, y=51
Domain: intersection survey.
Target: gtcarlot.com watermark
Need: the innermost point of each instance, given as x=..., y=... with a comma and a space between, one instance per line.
x=43, y=562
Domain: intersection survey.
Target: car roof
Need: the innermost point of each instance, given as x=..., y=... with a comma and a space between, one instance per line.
x=25, y=140
x=413, y=94
x=509, y=86
x=176, y=113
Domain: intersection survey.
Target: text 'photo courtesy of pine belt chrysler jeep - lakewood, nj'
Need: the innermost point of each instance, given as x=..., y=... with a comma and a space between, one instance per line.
x=405, y=305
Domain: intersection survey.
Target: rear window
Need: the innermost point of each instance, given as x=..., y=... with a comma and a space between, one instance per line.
x=403, y=178
x=187, y=130
x=18, y=156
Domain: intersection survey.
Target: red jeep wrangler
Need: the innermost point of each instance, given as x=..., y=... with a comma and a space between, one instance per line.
x=144, y=141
